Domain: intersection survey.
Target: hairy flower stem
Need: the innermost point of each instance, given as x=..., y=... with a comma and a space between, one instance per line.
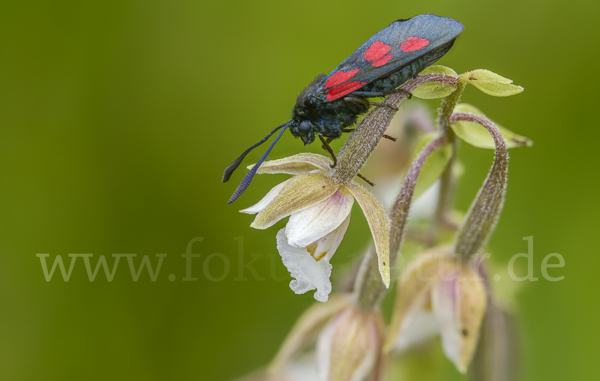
x=447, y=180
x=369, y=288
x=485, y=210
x=359, y=146
x=447, y=187
x=448, y=106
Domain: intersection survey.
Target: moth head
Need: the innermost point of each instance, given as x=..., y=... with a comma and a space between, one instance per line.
x=304, y=129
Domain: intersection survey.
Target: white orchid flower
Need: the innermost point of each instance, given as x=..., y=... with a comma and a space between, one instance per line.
x=319, y=210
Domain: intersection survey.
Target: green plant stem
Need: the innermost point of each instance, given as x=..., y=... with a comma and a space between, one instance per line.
x=485, y=209
x=369, y=289
x=447, y=179
x=446, y=190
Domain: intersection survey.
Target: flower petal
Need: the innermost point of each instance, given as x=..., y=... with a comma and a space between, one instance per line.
x=296, y=165
x=302, y=192
x=458, y=302
x=348, y=348
x=308, y=273
x=308, y=324
x=418, y=327
x=303, y=368
x=414, y=285
x=265, y=201
x=326, y=246
x=320, y=219
x=379, y=223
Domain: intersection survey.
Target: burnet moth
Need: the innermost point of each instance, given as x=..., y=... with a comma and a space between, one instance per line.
x=331, y=104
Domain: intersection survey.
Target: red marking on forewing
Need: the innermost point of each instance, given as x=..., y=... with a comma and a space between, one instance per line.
x=376, y=51
x=343, y=89
x=339, y=77
x=377, y=54
x=413, y=43
x=383, y=60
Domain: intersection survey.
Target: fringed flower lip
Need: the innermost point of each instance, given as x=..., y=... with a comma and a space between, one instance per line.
x=319, y=210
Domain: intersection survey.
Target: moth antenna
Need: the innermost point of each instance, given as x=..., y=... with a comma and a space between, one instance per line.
x=250, y=175
x=233, y=166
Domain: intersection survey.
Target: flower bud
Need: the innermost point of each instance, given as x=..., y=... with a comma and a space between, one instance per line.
x=437, y=294
x=458, y=302
x=349, y=348
x=491, y=83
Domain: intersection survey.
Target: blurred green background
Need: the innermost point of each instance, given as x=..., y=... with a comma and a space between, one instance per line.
x=118, y=117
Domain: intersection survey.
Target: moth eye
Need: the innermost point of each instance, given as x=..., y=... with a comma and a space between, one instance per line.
x=304, y=128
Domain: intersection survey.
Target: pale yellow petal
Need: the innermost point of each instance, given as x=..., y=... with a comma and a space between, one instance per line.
x=348, y=348
x=295, y=165
x=379, y=223
x=417, y=279
x=309, y=323
x=302, y=192
x=320, y=219
x=265, y=201
x=458, y=301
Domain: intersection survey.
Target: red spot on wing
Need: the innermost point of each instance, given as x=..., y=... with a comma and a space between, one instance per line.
x=339, y=77
x=343, y=89
x=413, y=43
x=377, y=54
x=376, y=51
x=383, y=60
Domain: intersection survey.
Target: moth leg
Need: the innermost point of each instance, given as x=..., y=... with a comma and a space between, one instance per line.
x=366, y=180
x=399, y=90
x=378, y=104
x=327, y=148
x=361, y=101
x=348, y=129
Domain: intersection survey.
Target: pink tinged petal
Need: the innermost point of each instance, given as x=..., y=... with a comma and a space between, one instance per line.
x=348, y=348
x=458, y=303
x=302, y=192
x=306, y=327
x=418, y=327
x=262, y=204
x=308, y=274
x=320, y=219
x=445, y=306
x=296, y=165
x=379, y=223
x=414, y=288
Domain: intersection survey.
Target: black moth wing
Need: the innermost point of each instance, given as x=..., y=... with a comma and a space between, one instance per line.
x=388, y=51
